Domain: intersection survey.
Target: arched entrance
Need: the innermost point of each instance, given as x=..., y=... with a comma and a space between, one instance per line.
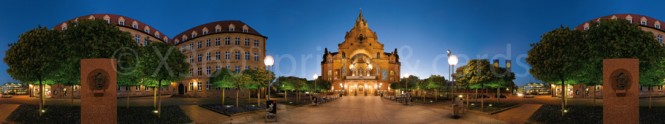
x=181, y=89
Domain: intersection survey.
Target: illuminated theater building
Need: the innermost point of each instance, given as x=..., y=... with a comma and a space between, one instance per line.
x=209, y=47
x=360, y=66
x=645, y=23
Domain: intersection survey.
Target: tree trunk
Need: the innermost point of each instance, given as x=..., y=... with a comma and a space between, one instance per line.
x=71, y=92
x=563, y=98
x=649, y=91
x=158, y=90
x=594, y=95
x=498, y=94
x=258, y=97
x=237, y=95
x=154, y=98
x=436, y=98
x=41, y=97
x=127, y=96
x=249, y=96
x=286, y=99
x=223, y=95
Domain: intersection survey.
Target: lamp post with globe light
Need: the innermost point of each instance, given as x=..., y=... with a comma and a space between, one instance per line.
x=269, y=61
x=452, y=60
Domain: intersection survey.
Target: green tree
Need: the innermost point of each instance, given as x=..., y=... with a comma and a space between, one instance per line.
x=31, y=58
x=222, y=79
x=259, y=79
x=556, y=56
x=286, y=84
x=239, y=81
x=434, y=82
x=477, y=73
x=163, y=63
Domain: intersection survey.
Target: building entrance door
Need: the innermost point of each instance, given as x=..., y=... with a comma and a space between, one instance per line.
x=181, y=89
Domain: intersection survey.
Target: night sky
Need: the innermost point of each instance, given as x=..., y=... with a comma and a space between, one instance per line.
x=299, y=30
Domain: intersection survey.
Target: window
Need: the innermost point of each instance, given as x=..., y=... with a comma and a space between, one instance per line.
x=217, y=68
x=135, y=26
x=217, y=56
x=193, y=35
x=184, y=39
x=643, y=23
x=217, y=30
x=245, y=30
x=145, y=42
x=64, y=27
x=660, y=39
x=199, y=86
x=136, y=88
x=208, y=56
x=658, y=26
x=237, y=55
x=182, y=49
x=586, y=28
x=137, y=37
x=228, y=66
x=199, y=72
x=200, y=58
x=237, y=41
x=191, y=86
x=191, y=59
x=208, y=42
x=227, y=56
x=208, y=70
x=191, y=46
x=256, y=43
x=146, y=30
x=378, y=55
x=246, y=41
x=227, y=41
x=191, y=72
x=246, y=67
x=198, y=44
x=204, y=32
x=256, y=57
x=232, y=28
x=157, y=35
x=237, y=69
x=121, y=22
x=208, y=85
x=246, y=55
x=630, y=20
x=217, y=42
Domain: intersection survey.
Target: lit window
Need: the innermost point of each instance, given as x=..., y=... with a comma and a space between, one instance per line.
x=191, y=86
x=199, y=86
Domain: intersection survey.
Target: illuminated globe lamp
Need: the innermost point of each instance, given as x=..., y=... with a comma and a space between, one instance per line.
x=268, y=61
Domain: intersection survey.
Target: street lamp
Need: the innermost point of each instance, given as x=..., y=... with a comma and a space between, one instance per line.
x=268, y=61
x=452, y=60
x=315, y=76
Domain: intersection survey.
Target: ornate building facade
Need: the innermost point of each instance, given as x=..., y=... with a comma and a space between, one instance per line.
x=360, y=66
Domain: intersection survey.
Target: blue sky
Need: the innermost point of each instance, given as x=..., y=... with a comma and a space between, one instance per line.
x=298, y=30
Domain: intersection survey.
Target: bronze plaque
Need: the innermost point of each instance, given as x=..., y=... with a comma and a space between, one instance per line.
x=620, y=80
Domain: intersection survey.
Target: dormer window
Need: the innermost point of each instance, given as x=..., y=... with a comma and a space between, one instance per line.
x=204, y=32
x=108, y=21
x=218, y=30
x=245, y=30
x=643, y=23
x=193, y=35
x=121, y=23
x=658, y=26
x=147, y=30
x=135, y=26
x=232, y=29
x=586, y=27
x=156, y=35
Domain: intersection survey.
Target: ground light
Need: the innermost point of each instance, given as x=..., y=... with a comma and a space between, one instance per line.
x=490, y=105
x=155, y=111
x=43, y=110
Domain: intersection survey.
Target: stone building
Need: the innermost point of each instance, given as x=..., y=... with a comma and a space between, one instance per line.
x=360, y=66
